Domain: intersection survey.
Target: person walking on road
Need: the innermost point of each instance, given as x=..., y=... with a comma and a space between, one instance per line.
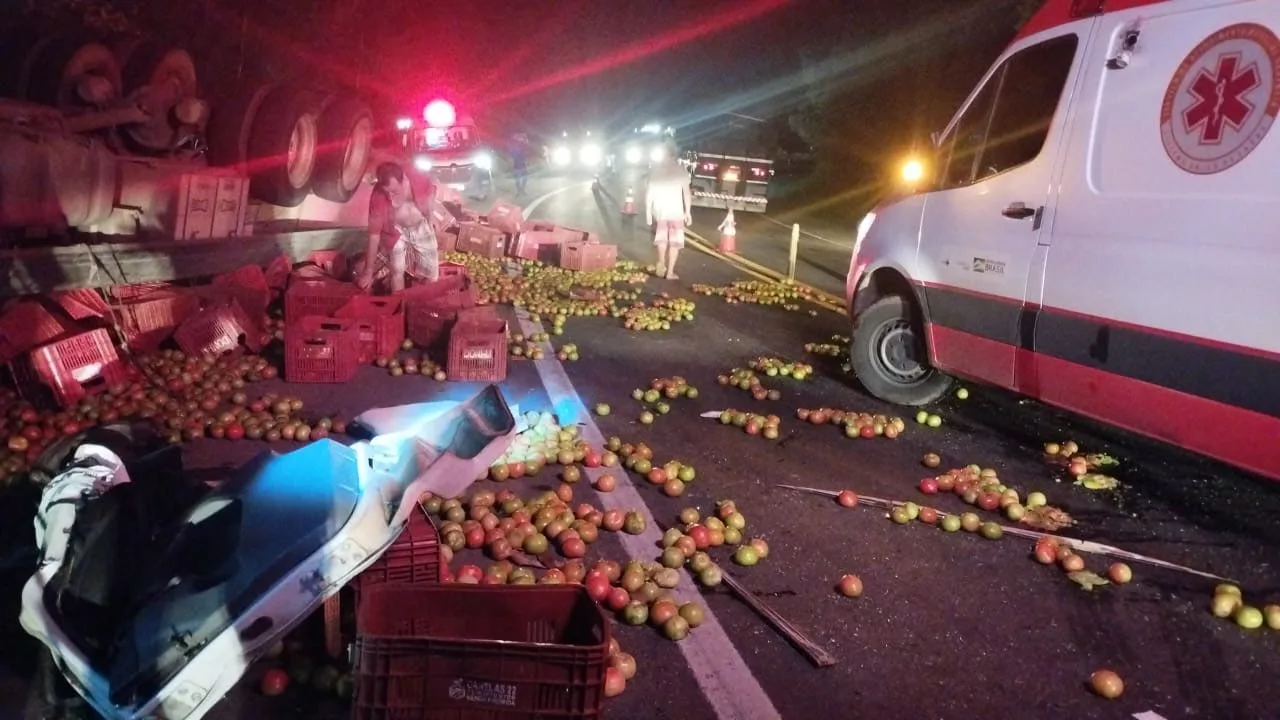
x=668, y=210
x=520, y=162
x=401, y=239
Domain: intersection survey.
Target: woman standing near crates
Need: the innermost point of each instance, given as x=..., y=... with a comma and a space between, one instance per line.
x=401, y=239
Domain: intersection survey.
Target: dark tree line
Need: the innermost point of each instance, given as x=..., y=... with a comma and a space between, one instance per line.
x=872, y=99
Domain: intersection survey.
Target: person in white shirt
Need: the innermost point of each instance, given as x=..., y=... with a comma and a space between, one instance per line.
x=667, y=205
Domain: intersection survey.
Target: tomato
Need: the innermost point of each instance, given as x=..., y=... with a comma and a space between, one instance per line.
x=274, y=682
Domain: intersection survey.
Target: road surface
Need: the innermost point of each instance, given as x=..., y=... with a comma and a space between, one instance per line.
x=949, y=625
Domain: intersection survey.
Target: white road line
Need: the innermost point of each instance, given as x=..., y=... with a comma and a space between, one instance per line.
x=1149, y=715
x=726, y=681
x=805, y=233
x=534, y=203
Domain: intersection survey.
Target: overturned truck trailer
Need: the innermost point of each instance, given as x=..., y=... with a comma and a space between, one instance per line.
x=114, y=168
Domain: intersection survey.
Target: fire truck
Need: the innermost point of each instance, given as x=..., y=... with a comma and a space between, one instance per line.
x=729, y=169
x=447, y=146
x=108, y=141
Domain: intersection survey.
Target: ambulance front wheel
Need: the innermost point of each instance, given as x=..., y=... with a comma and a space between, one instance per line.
x=889, y=356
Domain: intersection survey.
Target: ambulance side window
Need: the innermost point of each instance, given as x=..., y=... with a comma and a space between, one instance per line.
x=1008, y=123
x=965, y=146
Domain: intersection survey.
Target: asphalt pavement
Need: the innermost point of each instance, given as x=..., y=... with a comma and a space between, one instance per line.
x=949, y=625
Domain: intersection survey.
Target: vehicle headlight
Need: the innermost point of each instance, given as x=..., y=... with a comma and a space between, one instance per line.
x=590, y=154
x=422, y=163
x=484, y=161
x=404, y=124
x=634, y=155
x=657, y=155
x=561, y=156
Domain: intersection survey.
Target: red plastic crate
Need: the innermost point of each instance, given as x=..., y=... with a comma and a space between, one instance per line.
x=450, y=651
x=27, y=324
x=316, y=298
x=64, y=371
x=381, y=324
x=588, y=256
x=452, y=270
x=277, y=273
x=83, y=303
x=414, y=558
x=332, y=262
x=145, y=324
x=135, y=290
x=217, y=330
x=430, y=310
x=249, y=286
x=478, y=350
x=321, y=350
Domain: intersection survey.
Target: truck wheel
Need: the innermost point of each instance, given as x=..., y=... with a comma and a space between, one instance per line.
x=67, y=72
x=889, y=357
x=344, y=136
x=170, y=75
x=230, y=123
x=282, y=148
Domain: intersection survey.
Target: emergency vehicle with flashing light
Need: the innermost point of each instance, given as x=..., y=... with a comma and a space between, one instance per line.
x=447, y=146
x=1096, y=230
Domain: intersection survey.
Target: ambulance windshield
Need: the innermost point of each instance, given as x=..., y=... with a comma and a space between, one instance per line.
x=458, y=137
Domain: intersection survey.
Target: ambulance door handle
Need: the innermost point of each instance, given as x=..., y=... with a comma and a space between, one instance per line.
x=1018, y=211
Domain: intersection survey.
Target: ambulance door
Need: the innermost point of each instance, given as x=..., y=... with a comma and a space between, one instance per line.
x=981, y=227
x=1160, y=289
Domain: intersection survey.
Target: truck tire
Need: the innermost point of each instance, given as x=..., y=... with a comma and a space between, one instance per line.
x=889, y=356
x=147, y=64
x=55, y=69
x=344, y=138
x=282, y=148
x=230, y=123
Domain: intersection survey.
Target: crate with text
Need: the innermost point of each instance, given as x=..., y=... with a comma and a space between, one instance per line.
x=449, y=651
x=478, y=349
x=321, y=350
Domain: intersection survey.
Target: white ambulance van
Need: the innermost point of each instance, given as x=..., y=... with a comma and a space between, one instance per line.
x=1100, y=230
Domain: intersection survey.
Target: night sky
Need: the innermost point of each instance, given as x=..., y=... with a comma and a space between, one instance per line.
x=554, y=64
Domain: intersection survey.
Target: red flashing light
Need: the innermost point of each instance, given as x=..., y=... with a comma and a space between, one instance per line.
x=439, y=113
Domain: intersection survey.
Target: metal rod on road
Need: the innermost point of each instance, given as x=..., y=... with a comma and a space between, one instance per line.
x=791, y=256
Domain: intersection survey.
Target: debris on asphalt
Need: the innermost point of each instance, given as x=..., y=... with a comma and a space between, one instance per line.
x=838, y=346
x=758, y=292
x=1072, y=543
x=856, y=424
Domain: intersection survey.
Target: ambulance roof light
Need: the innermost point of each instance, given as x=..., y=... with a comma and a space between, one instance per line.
x=439, y=113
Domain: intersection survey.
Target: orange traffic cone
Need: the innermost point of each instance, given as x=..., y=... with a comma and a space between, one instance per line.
x=629, y=203
x=728, y=233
